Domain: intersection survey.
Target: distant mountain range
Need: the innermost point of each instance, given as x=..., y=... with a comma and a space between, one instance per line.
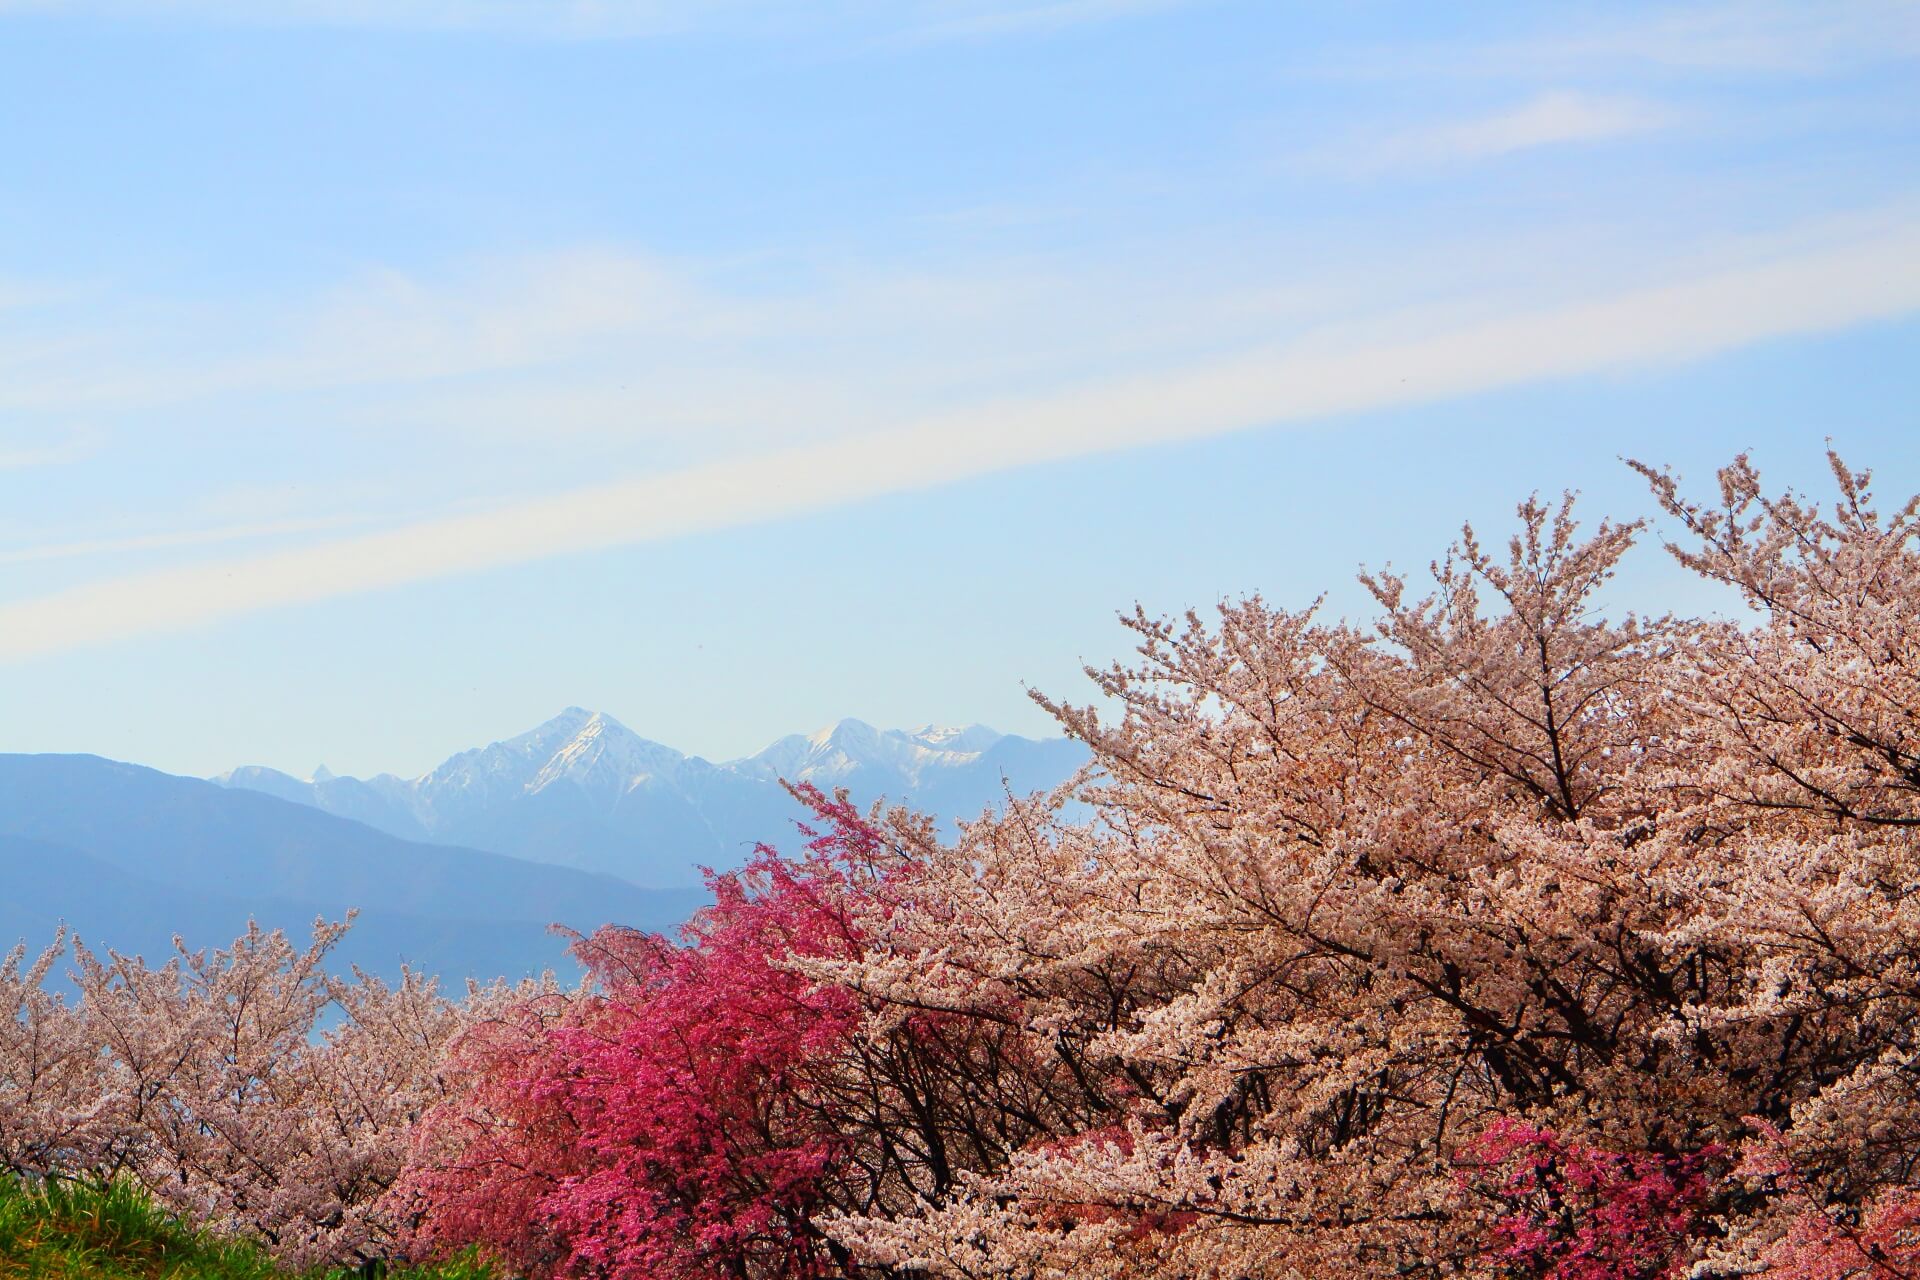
x=459, y=872
x=128, y=857
x=585, y=791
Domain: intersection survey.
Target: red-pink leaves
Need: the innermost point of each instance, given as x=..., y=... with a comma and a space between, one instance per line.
x=666, y=1124
x=1569, y=1211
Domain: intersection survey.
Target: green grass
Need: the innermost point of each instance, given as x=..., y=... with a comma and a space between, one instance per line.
x=75, y=1231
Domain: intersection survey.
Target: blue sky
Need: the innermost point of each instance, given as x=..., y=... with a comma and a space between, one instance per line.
x=378, y=378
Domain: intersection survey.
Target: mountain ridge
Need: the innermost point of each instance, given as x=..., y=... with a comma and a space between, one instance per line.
x=582, y=789
x=128, y=855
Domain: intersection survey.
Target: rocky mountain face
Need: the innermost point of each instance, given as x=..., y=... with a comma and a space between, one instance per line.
x=585, y=791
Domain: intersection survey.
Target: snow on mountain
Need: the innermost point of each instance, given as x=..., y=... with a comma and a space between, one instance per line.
x=846, y=750
x=605, y=754
x=584, y=790
x=973, y=738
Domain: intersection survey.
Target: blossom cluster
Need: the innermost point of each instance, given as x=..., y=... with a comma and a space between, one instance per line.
x=247, y=1087
x=1501, y=937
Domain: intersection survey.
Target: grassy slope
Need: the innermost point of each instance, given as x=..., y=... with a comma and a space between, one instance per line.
x=70, y=1232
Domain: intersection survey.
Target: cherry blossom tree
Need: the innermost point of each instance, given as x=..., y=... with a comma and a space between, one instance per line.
x=250, y=1116
x=1502, y=936
x=1355, y=899
x=53, y=1113
x=246, y=1087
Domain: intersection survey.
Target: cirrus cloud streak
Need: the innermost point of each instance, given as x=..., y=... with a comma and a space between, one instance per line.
x=1874, y=276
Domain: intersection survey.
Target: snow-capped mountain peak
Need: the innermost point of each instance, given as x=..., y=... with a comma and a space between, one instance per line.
x=544, y=740
x=605, y=754
x=853, y=748
x=584, y=789
x=589, y=749
x=855, y=737
x=969, y=739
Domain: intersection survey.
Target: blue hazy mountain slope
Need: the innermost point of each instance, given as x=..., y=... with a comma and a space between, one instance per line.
x=583, y=790
x=129, y=856
x=106, y=907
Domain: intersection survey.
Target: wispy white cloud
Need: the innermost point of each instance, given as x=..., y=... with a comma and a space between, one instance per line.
x=680, y=355
x=558, y=18
x=173, y=540
x=625, y=19
x=1704, y=40
x=54, y=449
x=380, y=328
x=1867, y=277
x=975, y=19
x=1557, y=118
x=1739, y=36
